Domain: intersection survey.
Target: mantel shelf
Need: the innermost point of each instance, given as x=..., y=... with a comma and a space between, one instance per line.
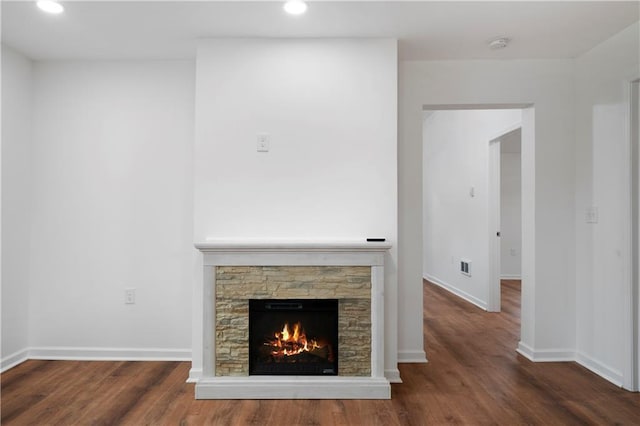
x=290, y=245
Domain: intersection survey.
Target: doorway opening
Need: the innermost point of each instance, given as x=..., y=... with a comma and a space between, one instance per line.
x=505, y=213
x=462, y=226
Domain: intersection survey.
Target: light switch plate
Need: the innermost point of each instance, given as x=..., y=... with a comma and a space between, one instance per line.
x=263, y=142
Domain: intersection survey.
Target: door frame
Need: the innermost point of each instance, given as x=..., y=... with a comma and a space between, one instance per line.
x=494, y=225
x=631, y=372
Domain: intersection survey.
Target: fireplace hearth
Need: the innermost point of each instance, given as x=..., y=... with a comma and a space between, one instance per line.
x=293, y=337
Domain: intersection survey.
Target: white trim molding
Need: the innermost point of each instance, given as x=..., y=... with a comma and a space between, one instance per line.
x=451, y=289
x=614, y=376
x=194, y=375
x=14, y=359
x=393, y=376
x=510, y=277
x=631, y=266
x=558, y=355
x=525, y=350
x=418, y=357
x=109, y=354
x=94, y=354
x=545, y=355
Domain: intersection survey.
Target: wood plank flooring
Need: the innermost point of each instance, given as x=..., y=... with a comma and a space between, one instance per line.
x=474, y=376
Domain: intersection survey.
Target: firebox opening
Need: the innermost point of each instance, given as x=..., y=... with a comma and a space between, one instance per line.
x=293, y=337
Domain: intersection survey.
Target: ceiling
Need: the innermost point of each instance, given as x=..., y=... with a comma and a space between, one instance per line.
x=426, y=30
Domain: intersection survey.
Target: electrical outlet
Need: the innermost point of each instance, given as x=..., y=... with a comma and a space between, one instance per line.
x=513, y=252
x=129, y=296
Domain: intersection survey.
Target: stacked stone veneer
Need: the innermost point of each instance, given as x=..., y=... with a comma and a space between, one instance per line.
x=235, y=285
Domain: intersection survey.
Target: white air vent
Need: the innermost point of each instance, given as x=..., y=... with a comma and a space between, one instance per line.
x=465, y=267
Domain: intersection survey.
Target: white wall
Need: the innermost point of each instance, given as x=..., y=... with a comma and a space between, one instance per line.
x=16, y=203
x=548, y=311
x=510, y=206
x=330, y=108
x=112, y=177
x=456, y=224
x=602, y=249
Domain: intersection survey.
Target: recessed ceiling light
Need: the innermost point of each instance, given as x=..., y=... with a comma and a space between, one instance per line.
x=295, y=7
x=50, y=6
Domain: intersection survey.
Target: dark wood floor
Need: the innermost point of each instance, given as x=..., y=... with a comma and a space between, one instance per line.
x=474, y=376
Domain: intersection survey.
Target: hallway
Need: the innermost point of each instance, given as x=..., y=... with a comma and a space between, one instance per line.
x=475, y=376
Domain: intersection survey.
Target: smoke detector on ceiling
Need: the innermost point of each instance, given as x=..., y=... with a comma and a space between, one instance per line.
x=498, y=43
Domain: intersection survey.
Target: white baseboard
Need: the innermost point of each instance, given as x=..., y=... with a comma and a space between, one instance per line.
x=525, y=350
x=14, y=359
x=109, y=354
x=553, y=355
x=195, y=374
x=393, y=375
x=600, y=369
x=94, y=354
x=463, y=295
x=412, y=356
x=510, y=277
x=545, y=355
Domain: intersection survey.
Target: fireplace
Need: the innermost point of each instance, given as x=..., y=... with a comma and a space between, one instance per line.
x=236, y=274
x=293, y=337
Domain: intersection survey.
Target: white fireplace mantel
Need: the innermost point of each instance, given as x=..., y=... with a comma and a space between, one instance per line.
x=286, y=253
x=287, y=246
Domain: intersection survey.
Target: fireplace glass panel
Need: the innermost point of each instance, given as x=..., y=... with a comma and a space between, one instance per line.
x=293, y=337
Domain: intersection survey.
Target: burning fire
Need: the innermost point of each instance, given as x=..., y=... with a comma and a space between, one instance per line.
x=290, y=342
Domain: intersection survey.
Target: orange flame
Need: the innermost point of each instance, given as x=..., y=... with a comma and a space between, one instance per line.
x=290, y=342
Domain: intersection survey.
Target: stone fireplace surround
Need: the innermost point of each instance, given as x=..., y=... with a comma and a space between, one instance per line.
x=236, y=285
x=233, y=272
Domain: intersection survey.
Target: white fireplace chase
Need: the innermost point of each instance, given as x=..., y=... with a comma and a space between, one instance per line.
x=235, y=273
